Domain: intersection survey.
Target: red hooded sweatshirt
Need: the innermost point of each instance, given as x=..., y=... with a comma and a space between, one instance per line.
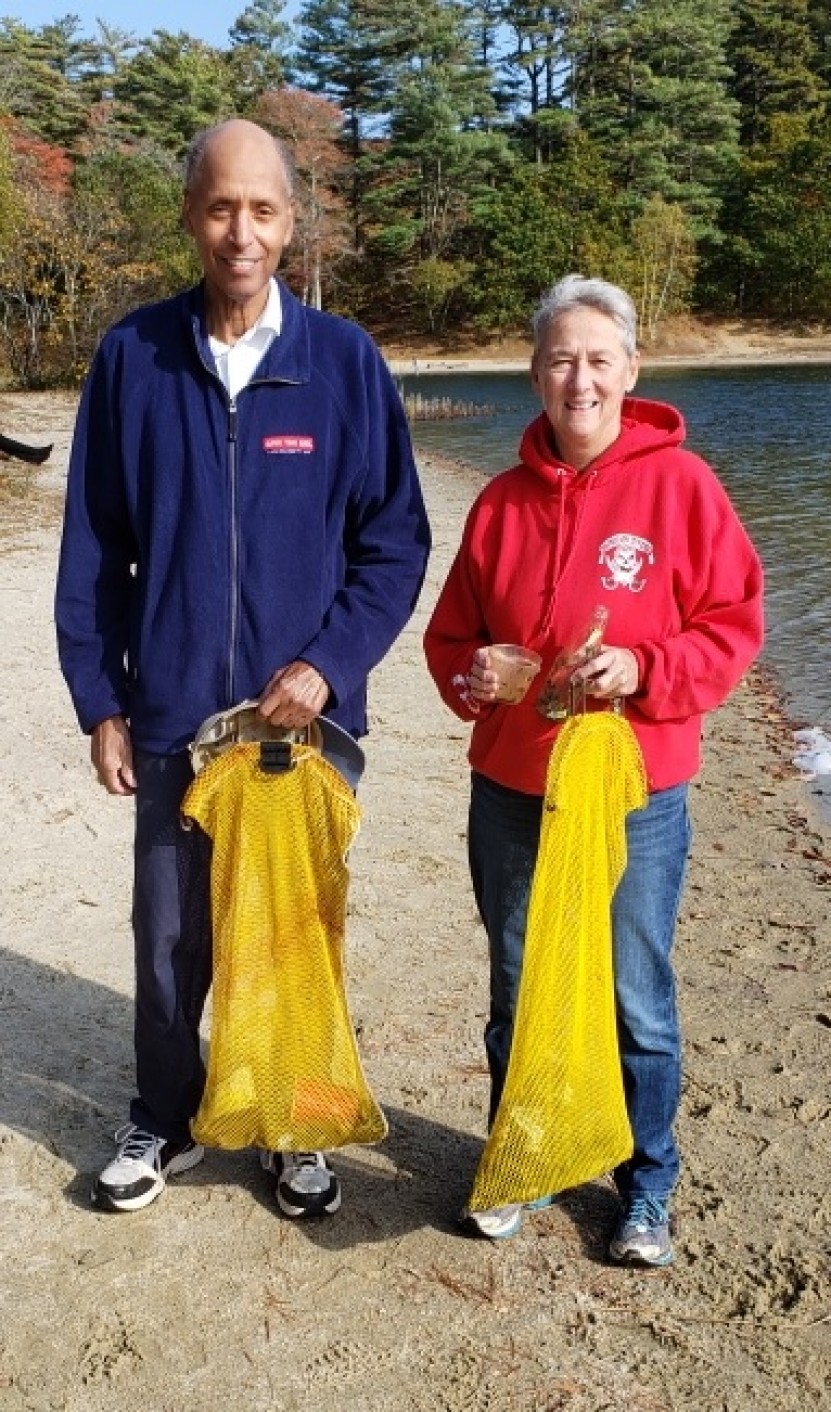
x=645, y=531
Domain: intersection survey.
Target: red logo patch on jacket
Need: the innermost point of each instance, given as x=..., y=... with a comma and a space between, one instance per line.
x=279, y=445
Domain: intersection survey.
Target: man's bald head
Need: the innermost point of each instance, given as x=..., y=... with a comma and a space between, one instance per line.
x=239, y=209
x=235, y=132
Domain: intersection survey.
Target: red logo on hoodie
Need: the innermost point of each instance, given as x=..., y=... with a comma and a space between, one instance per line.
x=280, y=445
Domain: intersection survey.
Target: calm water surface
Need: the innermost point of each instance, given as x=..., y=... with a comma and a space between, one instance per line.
x=767, y=432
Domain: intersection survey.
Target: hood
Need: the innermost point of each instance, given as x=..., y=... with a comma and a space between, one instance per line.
x=645, y=427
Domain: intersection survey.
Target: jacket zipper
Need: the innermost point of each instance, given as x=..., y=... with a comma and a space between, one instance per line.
x=233, y=548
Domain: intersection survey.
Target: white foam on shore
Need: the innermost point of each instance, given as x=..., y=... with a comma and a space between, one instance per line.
x=812, y=756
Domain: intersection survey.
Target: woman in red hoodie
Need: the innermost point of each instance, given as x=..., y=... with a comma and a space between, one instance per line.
x=604, y=510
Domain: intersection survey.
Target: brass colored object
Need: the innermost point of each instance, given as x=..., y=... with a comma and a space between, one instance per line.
x=561, y=695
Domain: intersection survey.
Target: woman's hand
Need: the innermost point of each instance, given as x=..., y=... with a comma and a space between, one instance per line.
x=483, y=681
x=613, y=672
x=502, y=672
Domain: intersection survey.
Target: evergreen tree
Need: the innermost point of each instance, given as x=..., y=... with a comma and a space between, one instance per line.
x=539, y=223
x=350, y=52
x=538, y=64
x=104, y=55
x=173, y=87
x=260, y=40
x=775, y=65
x=262, y=25
x=488, y=30
x=649, y=84
x=37, y=79
x=440, y=157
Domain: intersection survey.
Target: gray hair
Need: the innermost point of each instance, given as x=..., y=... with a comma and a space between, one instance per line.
x=197, y=151
x=579, y=292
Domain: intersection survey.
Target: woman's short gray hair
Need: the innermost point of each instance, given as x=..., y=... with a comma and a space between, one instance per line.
x=579, y=292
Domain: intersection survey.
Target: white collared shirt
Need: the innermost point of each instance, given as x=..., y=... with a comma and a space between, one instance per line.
x=237, y=362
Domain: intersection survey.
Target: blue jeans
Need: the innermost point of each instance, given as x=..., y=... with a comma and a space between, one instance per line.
x=503, y=837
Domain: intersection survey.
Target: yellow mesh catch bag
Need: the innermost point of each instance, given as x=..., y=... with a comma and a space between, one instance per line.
x=283, y=1071
x=562, y=1116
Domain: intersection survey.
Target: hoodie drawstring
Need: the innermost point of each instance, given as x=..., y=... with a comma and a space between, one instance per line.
x=560, y=560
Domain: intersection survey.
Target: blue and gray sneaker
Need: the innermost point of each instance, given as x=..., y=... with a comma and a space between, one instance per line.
x=642, y=1234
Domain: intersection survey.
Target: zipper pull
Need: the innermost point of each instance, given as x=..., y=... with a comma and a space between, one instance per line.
x=232, y=422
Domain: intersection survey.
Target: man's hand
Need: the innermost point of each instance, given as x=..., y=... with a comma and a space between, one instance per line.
x=294, y=696
x=112, y=756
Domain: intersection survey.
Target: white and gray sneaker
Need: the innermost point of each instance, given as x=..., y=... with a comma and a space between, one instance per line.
x=306, y=1184
x=138, y=1172
x=499, y=1223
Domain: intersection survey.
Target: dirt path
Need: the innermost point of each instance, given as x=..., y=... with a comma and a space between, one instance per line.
x=208, y=1300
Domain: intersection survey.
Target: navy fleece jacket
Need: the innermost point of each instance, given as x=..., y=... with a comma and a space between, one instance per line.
x=206, y=544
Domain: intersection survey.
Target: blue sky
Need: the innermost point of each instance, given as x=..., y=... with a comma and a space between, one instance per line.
x=205, y=19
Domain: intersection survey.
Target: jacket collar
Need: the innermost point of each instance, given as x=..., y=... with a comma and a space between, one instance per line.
x=288, y=359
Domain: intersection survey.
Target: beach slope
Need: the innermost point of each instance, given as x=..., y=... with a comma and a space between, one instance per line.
x=208, y=1299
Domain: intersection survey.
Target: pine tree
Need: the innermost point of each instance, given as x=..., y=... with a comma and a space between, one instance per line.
x=648, y=82
x=774, y=58
x=440, y=156
x=350, y=51
x=173, y=87
x=260, y=40
x=38, y=73
x=538, y=64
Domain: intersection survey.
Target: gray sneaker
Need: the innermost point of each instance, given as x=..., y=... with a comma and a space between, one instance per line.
x=306, y=1184
x=642, y=1234
x=139, y=1171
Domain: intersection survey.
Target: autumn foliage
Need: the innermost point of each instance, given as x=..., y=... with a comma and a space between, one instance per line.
x=453, y=159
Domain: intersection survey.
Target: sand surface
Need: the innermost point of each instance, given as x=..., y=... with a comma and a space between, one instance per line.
x=681, y=341
x=209, y=1300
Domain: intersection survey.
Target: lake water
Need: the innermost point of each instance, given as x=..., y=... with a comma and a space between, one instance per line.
x=767, y=432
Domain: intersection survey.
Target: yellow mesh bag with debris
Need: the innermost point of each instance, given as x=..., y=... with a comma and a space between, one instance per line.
x=562, y=1116
x=284, y=1070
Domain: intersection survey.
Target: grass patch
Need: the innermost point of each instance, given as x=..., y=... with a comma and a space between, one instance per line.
x=25, y=503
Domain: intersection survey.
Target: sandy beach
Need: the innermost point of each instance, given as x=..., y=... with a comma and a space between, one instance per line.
x=208, y=1300
x=681, y=342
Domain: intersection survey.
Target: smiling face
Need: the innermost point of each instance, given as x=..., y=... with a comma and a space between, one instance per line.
x=582, y=372
x=240, y=213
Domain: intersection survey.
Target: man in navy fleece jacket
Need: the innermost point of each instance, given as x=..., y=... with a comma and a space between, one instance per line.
x=243, y=520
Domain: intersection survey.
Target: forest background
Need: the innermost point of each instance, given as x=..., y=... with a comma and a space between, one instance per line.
x=453, y=158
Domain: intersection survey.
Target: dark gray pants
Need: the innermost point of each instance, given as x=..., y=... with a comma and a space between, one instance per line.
x=173, y=949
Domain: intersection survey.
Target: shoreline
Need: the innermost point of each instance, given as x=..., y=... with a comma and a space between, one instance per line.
x=684, y=341
x=414, y=367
